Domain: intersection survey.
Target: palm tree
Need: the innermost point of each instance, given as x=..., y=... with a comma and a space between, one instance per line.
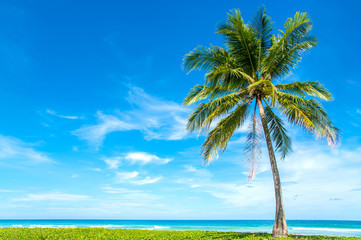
x=241, y=78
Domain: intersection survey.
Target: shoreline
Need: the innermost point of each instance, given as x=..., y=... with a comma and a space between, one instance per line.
x=319, y=228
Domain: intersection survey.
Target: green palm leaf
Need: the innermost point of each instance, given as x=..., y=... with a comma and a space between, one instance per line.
x=218, y=137
x=309, y=114
x=263, y=27
x=203, y=58
x=287, y=49
x=225, y=75
x=199, y=93
x=281, y=140
x=314, y=89
x=241, y=42
x=205, y=113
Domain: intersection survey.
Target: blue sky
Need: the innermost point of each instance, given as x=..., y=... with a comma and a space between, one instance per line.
x=92, y=124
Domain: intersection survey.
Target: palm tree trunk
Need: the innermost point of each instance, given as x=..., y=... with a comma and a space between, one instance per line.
x=280, y=225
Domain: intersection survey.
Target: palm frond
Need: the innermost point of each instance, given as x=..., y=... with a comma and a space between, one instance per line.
x=241, y=42
x=199, y=93
x=314, y=89
x=309, y=114
x=262, y=25
x=253, y=146
x=225, y=75
x=203, y=58
x=293, y=108
x=281, y=140
x=287, y=49
x=323, y=125
x=204, y=114
x=219, y=136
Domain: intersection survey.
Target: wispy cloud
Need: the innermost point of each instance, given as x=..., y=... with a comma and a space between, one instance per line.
x=147, y=180
x=53, y=196
x=13, y=148
x=109, y=189
x=235, y=194
x=145, y=158
x=204, y=173
x=190, y=168
x=113, y=162
x=95, y=169
x=9, y=191
x=162, y=119
x=154, y=117
x=132, y=177
x=124, y=176
x=95, y=134
x=53, y=113
x=314, y=176
x=141, y=158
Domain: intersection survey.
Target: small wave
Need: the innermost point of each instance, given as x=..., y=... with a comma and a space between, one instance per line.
x=17, y=226
x=48, y=226
x=161, y=227
x=328, y=229
x=42, y=226
x=106, y=226
x=66, y=226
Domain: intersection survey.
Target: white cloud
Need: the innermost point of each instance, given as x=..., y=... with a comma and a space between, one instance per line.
x=147, y=180
x=53, y=113
x=155, y=118
x=204, y=173
x=141, y=158
x=13, y=148
x=145, y=158
x=109, y=189
x=124, y=176
x=244, y=195
x=9, y=191
x=132, y=178
x=95, y=134
x=96, y=169
x=313, y=177
x=54, y=196
x=237, y=194
x=190, y=168
x=113, y=163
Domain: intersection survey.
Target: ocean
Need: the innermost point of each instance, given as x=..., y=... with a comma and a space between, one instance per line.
x=310, y=227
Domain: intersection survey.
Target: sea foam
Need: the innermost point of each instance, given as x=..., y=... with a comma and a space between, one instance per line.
x=328, y=229
x=161, y=227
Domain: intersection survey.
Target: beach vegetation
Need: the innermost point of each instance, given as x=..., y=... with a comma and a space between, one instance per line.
x=133, y=234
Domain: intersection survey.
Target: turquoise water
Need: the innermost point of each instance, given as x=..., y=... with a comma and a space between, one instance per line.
x=330, y=228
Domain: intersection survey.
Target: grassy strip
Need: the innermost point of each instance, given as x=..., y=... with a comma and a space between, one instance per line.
x=101, y=233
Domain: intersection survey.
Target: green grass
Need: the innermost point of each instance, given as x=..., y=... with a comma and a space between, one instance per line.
x=101, y=233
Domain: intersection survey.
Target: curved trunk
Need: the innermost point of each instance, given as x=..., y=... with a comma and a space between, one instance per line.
x=280, y=225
